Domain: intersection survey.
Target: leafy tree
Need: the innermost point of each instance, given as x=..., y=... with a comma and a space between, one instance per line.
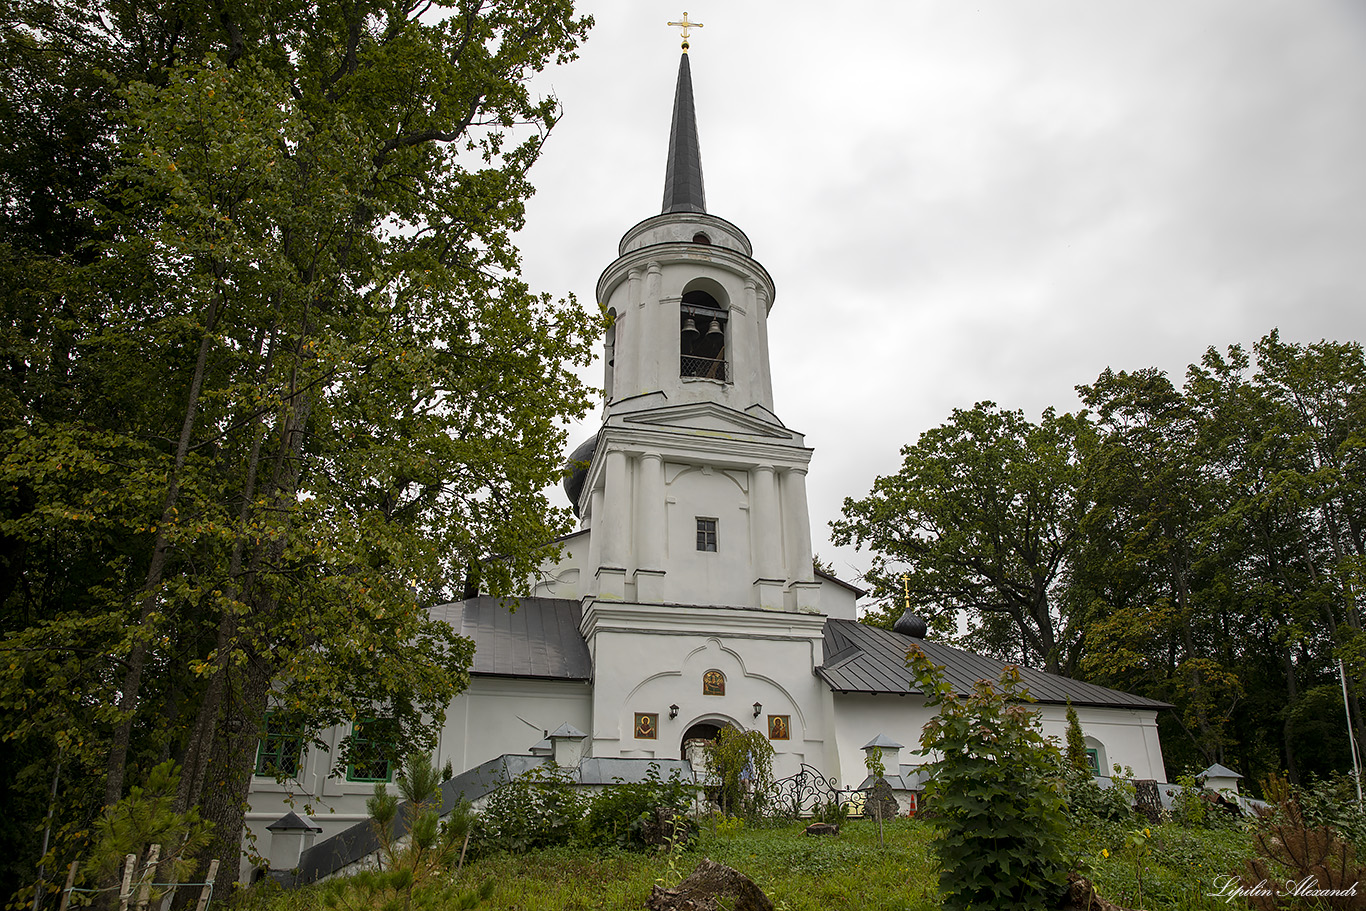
x=742, y=764
x=1076, y=743
x=271, y=379
x=1000, y=826
x=1155, y=496
x=982, y=518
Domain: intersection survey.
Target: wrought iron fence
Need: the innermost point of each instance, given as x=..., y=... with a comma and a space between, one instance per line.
x=712, y=368
x=808, y=791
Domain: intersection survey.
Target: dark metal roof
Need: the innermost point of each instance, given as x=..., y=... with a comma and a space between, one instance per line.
x=539, y=638
x=868, y=659
x=683, y=175
x=361, y=840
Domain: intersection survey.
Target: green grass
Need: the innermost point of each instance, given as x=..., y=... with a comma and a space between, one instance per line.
x=833, y=874
x=1181, y=867
x=797, y=872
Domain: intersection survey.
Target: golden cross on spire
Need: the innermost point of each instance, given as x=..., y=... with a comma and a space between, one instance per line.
x=684, y=24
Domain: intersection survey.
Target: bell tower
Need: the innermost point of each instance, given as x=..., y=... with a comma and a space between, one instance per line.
x=692, y=564
x=695, y=493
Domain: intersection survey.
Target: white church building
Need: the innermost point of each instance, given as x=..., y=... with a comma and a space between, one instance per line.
x=686, y=600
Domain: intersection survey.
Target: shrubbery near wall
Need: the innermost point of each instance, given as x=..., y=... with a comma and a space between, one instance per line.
x=999, y=815
x=546, y=807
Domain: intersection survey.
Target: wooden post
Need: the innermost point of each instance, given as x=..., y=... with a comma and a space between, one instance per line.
x=148, y=874
x=208, y=886
x=70, y=881
x=130, y=863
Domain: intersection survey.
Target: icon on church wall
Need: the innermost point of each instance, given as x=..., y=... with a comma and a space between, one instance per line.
x=713, y=683
x=779, y=727
x=647, y=725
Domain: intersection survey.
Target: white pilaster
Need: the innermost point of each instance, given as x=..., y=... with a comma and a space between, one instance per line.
x=640, y=336
x=653, y=337
x=765, y=390
x=595, y=510
x=797, y=537
x=768, y=566
x=615, y=527
x=650, y=530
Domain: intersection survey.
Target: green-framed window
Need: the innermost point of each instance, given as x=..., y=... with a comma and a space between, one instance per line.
x=1093, y=757
x=280, y=748
x=372, y=751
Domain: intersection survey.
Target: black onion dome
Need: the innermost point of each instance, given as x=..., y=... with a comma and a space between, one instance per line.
x=576, y=471
x=908, y=624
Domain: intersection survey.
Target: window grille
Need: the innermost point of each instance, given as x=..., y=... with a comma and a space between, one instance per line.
x=706, y=535
x=372, y=745
x=279, y=749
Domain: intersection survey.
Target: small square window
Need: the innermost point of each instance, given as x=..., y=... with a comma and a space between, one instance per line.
x=706, y=535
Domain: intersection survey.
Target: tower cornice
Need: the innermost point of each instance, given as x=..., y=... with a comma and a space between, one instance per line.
x=685, y=226
x=681, y=252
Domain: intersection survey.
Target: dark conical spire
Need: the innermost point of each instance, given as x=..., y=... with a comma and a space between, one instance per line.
x=683, y=177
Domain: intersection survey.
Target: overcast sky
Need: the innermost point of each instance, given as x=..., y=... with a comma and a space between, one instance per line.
x=962, y=201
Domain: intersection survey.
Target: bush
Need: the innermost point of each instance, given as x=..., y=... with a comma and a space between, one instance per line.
x=1088, y=803
x=546, y=807
x=1000, y=821
x=1194, y=806
x=1285, y=840
x=536, y=810
x=1333, y=802
x=617, y=815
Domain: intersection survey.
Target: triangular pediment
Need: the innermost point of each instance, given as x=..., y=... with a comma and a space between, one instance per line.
x=707, y=417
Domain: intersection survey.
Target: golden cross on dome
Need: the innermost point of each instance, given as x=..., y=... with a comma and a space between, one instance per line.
x=684, y=24
x=906, y=589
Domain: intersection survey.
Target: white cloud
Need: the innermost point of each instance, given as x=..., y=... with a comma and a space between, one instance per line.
x=988, y=200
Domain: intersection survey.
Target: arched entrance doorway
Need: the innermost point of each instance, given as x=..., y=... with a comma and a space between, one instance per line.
x=703, y=730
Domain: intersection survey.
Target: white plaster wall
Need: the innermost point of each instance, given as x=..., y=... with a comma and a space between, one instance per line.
x=838, y=602
x=333, y=803
x=500, y=715
x=860, y=717
x=725, y=577
x=1128, y=735
x=640, y=671
x=564, y=578
x=492, y=717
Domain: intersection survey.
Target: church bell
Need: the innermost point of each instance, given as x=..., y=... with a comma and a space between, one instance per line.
x=690, y=330
x=714, y=330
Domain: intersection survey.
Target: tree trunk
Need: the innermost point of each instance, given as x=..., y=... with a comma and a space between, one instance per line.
x=137, y=658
